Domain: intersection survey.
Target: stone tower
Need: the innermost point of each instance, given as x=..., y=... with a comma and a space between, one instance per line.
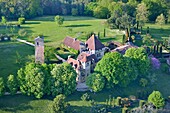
x=39, y=50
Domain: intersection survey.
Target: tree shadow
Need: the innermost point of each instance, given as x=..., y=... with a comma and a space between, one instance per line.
x=80, y=25
x=15, y=103
x=158, y=33
x=107, y=39
x=80, y=109
x=32, y=22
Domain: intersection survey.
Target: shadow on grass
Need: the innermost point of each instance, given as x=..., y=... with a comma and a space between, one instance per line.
x=32, y=22
x=107, y=39
x=15, y=103
x=80, y=109
x=158, y=33
x=80, y=25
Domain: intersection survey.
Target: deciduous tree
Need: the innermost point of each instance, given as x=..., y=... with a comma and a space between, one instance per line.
x=96, y=82
x=63, y=79
x=156, y=99
x=160, y=20
x=12, y=84
x=59, y=20
x=59, y=105
x=116, y=69
x=140, y=59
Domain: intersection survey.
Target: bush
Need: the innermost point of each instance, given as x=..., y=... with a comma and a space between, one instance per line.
x=22, y=32
x=59, y=105
x=156, y=99
x=12, y=84
x=21, y=20
x=143, y=82
x=2, y=86
x=85, y=97
x=96, y=82
x=165, y=68
x=98, y=108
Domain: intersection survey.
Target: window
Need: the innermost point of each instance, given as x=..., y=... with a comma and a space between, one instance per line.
x=87, y=64
x=98, y=55
x=37, y=44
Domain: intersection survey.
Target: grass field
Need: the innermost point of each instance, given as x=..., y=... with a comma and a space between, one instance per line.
x=77, y=27
x=8, y=56
x=157, y=31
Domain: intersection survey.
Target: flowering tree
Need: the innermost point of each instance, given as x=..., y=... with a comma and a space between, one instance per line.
x=155, y=62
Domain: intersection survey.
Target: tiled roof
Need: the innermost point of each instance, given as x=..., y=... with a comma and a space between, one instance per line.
x=85, y=57
x=94, y=43
x=72, y=43
x=122, y=49
x=74, y=63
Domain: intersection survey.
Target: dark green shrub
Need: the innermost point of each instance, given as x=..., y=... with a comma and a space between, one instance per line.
x=85, y=97
x=98, y=108
x=21, y=20
x=165, y=68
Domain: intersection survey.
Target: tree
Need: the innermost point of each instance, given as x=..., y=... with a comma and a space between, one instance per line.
x=116, y=69
x=142, y=14
x=96, y=82
x=12, y=84
x=74, y=12
x=31, y=79
x=160, y=20
x=156, y=99
x=3, y=20
x=59, y=20
x=140, y=59
x=155, y=8
x=2, y=86
x=101, y=12
x=63, y=79
x=59, y=105
x=125, y=21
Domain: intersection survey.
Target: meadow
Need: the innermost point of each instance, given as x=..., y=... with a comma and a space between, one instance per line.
x=76, y=27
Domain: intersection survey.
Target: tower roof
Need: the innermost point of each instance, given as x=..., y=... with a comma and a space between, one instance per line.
x=94, y=43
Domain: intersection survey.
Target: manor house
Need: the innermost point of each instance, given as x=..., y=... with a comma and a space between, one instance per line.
x=90, y=53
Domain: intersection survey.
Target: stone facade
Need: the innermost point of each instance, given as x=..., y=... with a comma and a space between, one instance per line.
x=39, y=50
x=90, y=53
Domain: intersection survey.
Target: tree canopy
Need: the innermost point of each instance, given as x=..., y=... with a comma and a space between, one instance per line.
x=156, y=99
x=140, y=59
x=116, y=69
x=96, y=82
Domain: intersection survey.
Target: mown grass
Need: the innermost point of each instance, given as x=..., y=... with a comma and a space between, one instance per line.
x=76, y=27
x=157, y=31
x=8, y=56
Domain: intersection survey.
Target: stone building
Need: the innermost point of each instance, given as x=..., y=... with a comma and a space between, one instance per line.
x=90, y=53
x=39, y=50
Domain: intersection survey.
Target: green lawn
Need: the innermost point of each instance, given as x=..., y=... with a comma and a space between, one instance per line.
x=157, y=31
x=8, y=55
x=77, y=27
